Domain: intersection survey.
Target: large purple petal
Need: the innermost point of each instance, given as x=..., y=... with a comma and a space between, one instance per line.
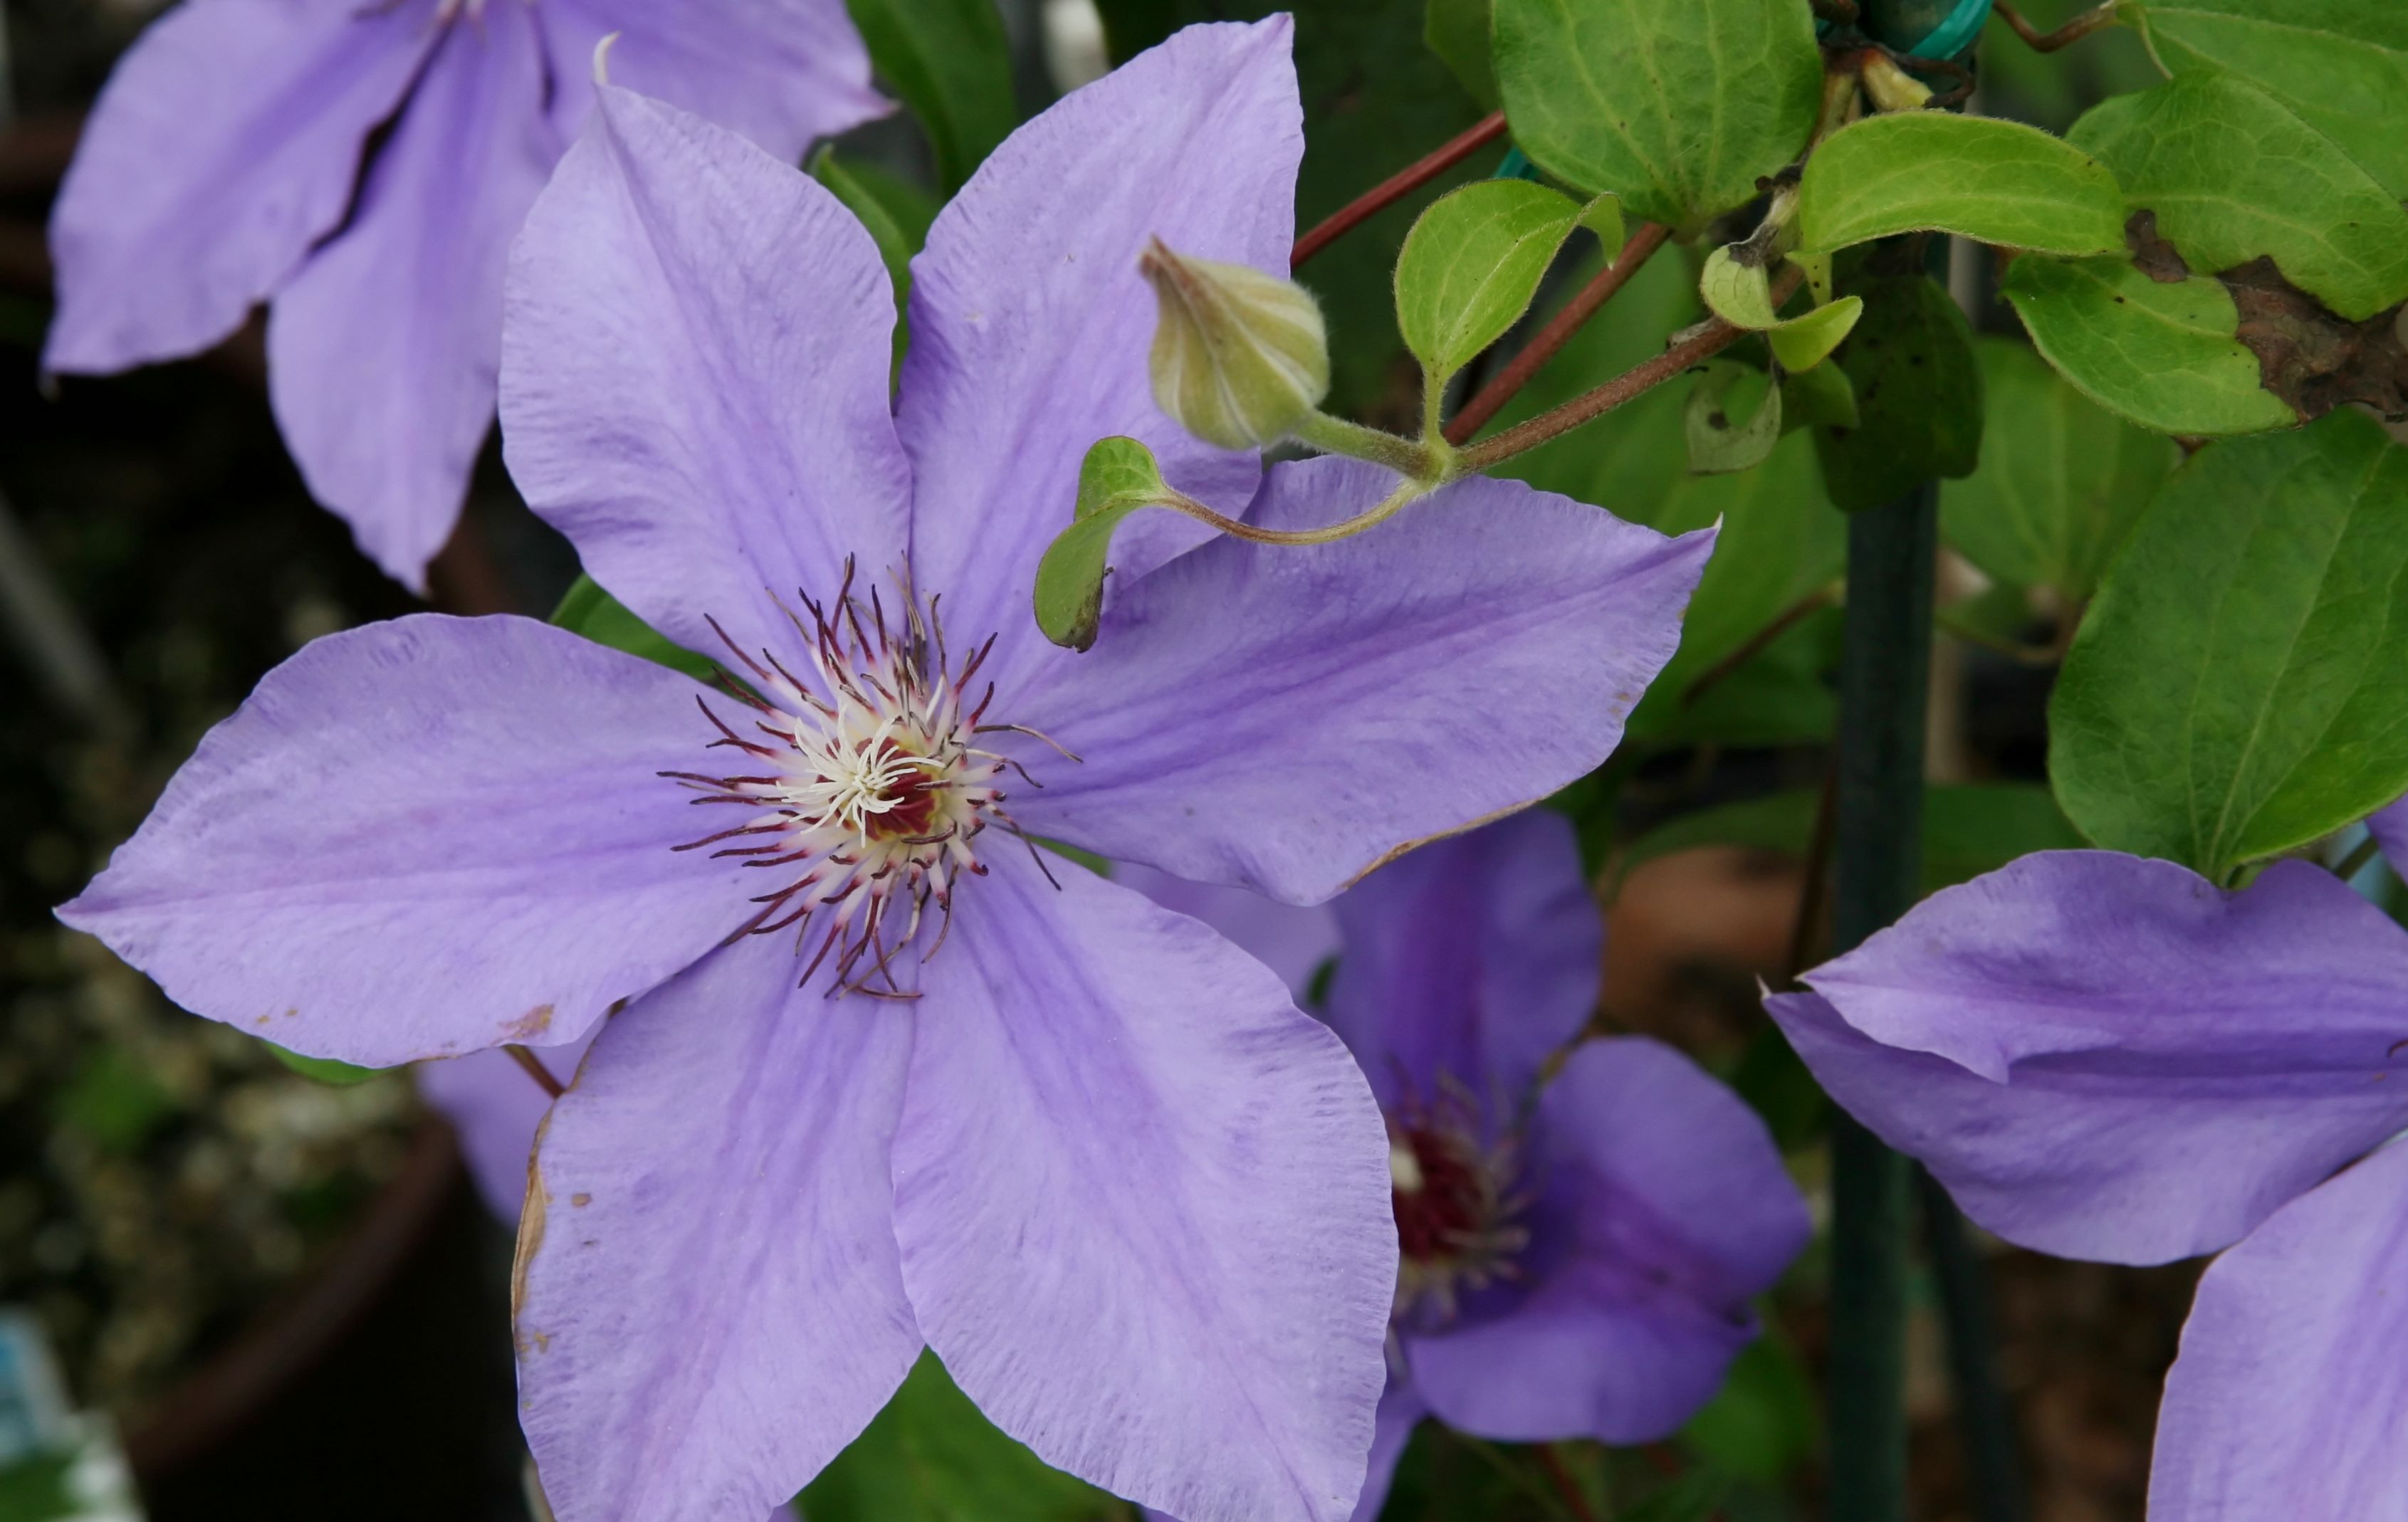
x=693, y=377
x=1294, y=941
x=423, y=838
x=1031, y=324
x=226, y=143
x=1401, y=1410
x=2172, y=1062
x=709, y=1304
x=781, y=72
x=382, y=350
x=1662, y=1207
x=495, y=1105
x=1288, y=719
x=2291, y=1391
x=1144, y=1204
x=1469, y=961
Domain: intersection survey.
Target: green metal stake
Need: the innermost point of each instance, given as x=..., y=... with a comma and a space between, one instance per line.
x=1884, y=672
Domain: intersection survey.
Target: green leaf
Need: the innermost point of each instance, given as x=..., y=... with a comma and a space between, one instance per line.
x=1117, y=478
x=1471, y=265
x=1780, y=542
x=896, y=214
x=1719, y=443
x=1997, y=181
x=1676, y=106
x=2233, y=175
x=589, y=610
x=2341, y=65
x=1458, y=32
x=930, y=1457
x=1805, y=341
x=951, y=62
x=2062, y=479
x=1820, y=396
x=1919, y=396
x=2237, y=688
x=1764, y=1422
x=324, y=1069
x=1739, y=292
x=2163, y=354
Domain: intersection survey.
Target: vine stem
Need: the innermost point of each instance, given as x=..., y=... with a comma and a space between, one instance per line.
x=2355, y=863
x=2072, y=32
x=1398, y=186
x=1388, y=507
x=1707, y=341
x=1558, y=331
x=536, y=1070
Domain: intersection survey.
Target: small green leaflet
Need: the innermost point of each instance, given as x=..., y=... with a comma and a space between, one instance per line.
x=1676, y=106
x=2239, y=687
x=1724, y=437
x=2164, y=355
x=1740, y=294
x=2232, y=175
x=1996, y=181
x=1117, y=478
x=1474, y=260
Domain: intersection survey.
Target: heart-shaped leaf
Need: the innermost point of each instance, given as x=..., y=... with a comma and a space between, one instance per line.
x=1471, y=265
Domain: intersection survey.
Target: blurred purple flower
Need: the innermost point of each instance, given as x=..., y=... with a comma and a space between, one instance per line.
x=1578, y=1255
x=363, y=164
x=1080, y=1145
x=2108, y=1057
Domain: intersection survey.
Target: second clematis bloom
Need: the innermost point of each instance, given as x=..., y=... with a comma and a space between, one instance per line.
x=2108, y=1057
x=1578, y=1250
x=362, y=165
x=882, y=1078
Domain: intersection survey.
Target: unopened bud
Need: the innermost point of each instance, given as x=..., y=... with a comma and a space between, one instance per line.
x=1892, y=88
x=1240, y=358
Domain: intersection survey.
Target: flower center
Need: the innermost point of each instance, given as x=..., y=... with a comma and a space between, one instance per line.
x=1455, y=1206
x=865, y=786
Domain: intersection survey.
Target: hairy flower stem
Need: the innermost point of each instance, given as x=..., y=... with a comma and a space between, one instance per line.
x=1396, y=186
x=1707, y=341
x=1388, y=507
x=1428, y=461
x=1885, y=673
x=1602, y=288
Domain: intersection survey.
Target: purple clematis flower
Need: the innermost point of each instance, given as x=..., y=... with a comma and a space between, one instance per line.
x=2109, y=1058
x=1578, y=1254
x=1078, y=1145
x=362, y=165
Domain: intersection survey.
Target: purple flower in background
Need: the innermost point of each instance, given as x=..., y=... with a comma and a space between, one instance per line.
x=363, y=164
x=2108, y=1057
x=1577, y=1255
x=1078, y=1145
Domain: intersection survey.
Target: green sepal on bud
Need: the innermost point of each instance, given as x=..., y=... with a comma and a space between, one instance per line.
x=1240, y=358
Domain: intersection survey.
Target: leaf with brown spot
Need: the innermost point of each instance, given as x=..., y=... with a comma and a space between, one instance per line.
x=2312, y=359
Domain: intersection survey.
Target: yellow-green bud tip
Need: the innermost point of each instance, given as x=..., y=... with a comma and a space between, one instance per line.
x=1240, y=358
x=1892, y=88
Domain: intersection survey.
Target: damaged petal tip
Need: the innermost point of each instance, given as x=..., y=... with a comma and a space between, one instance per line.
x=602, y=57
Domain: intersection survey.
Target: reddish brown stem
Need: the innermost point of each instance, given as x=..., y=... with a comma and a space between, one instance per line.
x=1402, y=183
x=536, y=1070
x=1711, y=339
x=2073, y=31
x=1565, y=1485
x=1557, y=333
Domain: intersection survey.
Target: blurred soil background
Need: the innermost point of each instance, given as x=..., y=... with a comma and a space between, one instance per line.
x=175, y=1206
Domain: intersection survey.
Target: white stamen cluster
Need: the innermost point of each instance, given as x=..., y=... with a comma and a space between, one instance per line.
x=868, y=785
